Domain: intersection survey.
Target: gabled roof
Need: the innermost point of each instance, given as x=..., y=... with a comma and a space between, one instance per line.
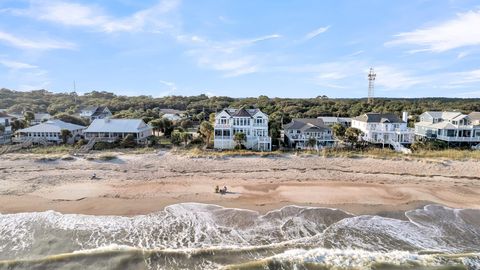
x=306, y=123
x=379, y=118
x=51, y=126
x=241, y=112
x=99, y=110
x=117, y=125
x=443, y=115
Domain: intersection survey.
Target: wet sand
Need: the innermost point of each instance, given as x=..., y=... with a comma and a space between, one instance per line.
x=144, y=183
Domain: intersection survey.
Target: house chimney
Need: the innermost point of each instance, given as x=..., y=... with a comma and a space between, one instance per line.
x=405, y=117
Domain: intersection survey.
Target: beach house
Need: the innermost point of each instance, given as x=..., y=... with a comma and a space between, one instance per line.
x=329, y=121
x=251, y=122
x=111, y=130
x=37, y=117
x=384, y=128
x=49, y=131
x=93, y=113
x=455, y=128
x=6, y=128
x=305, y=133
x=172, y=114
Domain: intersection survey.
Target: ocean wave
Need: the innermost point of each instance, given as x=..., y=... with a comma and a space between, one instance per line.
x=191, y=234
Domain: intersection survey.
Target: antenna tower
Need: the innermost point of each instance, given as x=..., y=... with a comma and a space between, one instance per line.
x=371, y=85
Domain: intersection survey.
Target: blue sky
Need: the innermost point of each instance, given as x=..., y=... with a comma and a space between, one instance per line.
x=242, y=48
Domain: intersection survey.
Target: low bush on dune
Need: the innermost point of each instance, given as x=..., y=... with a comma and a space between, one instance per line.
x=107, y=157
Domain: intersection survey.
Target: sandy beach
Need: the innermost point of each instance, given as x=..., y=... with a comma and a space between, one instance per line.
x=134, y=184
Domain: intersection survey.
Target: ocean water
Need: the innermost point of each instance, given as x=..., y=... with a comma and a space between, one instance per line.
x=201, y=236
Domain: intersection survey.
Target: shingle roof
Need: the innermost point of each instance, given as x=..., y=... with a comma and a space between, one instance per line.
x=241, y=112
x=305, y=123
x=117, y=125
x=51, y=126
x=379, y=118
x=99, y=110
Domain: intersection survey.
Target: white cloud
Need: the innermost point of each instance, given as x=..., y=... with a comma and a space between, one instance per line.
x=16, y=65
x=172, y=88
x=82, y=15
x=316, y=32
x=391, y=78
x=24, y=43
x=230, y=57
x=460, y=32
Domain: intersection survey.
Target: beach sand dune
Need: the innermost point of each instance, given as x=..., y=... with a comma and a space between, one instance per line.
x=141, y=184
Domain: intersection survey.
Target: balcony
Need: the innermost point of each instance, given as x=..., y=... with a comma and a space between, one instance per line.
x=458, y=139
x=392, y=130
x=306, y=138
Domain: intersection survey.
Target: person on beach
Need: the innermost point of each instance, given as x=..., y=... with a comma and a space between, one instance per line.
x=217, y=189
x=94, y=176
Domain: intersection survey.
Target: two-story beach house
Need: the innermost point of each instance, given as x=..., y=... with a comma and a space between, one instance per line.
x=384, y=128
x=93, y=113
x=49, y=131
x=37, y=117
x=301, y=131
x=450, y=127
x=252, y=122
x=329, y=121
x=5, y=122
x=111, y=130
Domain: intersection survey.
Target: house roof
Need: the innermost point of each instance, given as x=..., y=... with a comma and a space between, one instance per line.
x=41, y=116
x=117, y=125
x=335, y=119
x=306, y=123
x=379, y=118
x=475, y=116
x=51, y=126
x=5, y=115
x=444, y=115
x=171, y=111
x=99, y=110
x=241, y=112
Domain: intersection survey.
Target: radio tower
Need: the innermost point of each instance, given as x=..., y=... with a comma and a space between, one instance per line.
x=371, y=85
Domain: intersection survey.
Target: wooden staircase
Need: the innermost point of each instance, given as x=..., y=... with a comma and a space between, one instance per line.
x=15, y=147
x=85, y=148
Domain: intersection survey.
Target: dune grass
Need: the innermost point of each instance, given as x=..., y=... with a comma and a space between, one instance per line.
x=452, y=154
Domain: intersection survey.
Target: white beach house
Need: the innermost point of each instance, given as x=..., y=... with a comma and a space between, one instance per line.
x=49, y=131
x=5, y=122
x=450, y=127
x=252, y=122
x=93, y=113
x=111, y=130
x=384, y=128
x=300, y=131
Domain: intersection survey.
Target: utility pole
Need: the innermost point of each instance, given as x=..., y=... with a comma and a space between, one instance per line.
x=371, y=85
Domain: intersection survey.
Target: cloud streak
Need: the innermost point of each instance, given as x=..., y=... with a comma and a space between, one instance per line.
x=24, y=43
x=316, y=33
x=230, y=57
x=460, y=32
x=75, y=14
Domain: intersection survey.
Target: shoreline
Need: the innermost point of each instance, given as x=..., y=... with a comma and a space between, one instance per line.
x=137, y=184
